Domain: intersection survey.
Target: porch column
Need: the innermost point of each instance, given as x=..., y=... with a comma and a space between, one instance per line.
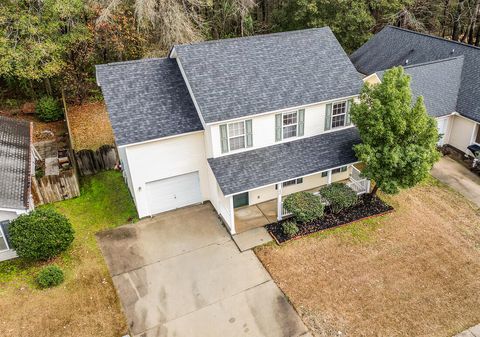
x=279, y=202
x=329, y=177
x=232, y=217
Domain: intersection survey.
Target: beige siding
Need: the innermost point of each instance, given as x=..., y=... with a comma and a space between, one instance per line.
x=309, y=182
x=461, y=132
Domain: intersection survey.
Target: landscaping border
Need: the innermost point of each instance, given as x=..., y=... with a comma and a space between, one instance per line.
x=275, y=226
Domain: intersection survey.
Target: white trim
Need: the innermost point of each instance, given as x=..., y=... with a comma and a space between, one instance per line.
x=283, y=110
x=232, y=216
x=161, y=138
x=18, y=211
x=368, y=77
x=4, y=240
x=281, y=182
x=197, y=107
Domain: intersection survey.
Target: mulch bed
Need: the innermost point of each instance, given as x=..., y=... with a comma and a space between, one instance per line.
x=362, y=210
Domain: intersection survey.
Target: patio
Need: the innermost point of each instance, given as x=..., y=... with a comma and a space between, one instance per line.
x=263, y=213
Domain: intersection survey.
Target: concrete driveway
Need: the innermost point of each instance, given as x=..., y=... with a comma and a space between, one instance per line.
x=459, y=178
x=180, y=274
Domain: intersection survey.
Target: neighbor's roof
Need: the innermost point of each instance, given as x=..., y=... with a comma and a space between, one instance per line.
x=393, y=46
x=239, y=77
x=147, y=99
x=15, y=164
x=272, y=164
x=438, y=82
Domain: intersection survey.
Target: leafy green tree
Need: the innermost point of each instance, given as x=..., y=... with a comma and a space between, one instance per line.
x=351, y=21
x=35, y=36
x=399, y=138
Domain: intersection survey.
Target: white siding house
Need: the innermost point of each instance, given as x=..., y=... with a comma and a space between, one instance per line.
x=234, y=122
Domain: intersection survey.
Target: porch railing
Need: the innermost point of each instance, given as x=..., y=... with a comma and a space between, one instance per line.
x=357, y=182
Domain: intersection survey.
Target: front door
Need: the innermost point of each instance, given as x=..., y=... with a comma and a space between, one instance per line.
x=240, y=200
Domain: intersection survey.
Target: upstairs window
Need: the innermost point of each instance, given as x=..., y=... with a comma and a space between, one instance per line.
x=236, y=136
x=339, y=112
x=337, y=115
x=289, y=124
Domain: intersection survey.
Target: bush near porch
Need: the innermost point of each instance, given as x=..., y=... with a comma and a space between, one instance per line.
x=86, y=303
x=413, y=272
x=307, y=209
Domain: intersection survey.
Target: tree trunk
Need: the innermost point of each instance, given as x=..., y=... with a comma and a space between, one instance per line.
x=457, y=21
x=374, y=191
x=48, y=86
x=445, y=12
x=477, y=41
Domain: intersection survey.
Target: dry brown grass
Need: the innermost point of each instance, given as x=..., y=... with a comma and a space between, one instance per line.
x=85, y=306
x=90, y=126
x=415, y=272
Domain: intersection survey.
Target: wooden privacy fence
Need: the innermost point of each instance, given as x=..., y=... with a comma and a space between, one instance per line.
x=54, y=188
x=90, y=162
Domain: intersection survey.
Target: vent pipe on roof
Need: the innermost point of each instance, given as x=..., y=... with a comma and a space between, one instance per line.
x=453, y=51
x=406, y=61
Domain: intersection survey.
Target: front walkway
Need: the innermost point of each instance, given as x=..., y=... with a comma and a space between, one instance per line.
x=180, y=274
x=459, y=178
x=472, y=332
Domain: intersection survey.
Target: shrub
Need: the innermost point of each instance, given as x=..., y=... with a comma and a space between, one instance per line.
x=339, y=196
x=304, y=206
x=48, y=109
x=50, y=276
x=41, y=234
x=289, y=228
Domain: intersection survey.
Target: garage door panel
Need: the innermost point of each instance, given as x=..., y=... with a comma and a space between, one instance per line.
x=171, y=193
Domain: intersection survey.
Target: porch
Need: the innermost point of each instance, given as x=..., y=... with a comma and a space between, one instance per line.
x=265, y=212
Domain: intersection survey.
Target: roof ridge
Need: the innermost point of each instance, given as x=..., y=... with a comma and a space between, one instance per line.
x=433, y=36
x=288, y=32
x=119, y=63
x=433, y=62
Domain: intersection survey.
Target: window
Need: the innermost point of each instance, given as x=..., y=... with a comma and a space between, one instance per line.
x=236, y=135
x=289, y=125
x=291, y=182
x=335, y=171
x=339, y=113
x=3, y=241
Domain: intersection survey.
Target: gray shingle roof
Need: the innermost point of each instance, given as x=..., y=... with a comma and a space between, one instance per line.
x=147, y=99
x=393, y=46
x=268, y=165
x=14, y=163
x=240, y=77
x=438, y=82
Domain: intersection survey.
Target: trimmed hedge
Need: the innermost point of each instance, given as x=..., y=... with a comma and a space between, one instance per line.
x=50, y=276
x=339, y=196
x=41, y=234
x=304, y=206
x=289, y=228
x=48, y=109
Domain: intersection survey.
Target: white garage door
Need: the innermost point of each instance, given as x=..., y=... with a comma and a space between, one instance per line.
x=170, y=193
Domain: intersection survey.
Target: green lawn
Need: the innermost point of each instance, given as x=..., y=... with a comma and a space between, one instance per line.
x=104, y=203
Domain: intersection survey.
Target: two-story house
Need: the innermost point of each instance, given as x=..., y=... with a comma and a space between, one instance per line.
x=446, y=73
x=239, y=122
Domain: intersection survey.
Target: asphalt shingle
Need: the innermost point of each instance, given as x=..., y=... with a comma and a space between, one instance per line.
x=14, y=163
x=393, y=46
x=268, y=165
x=438, y=82
x=239, y=77
x=147, y=99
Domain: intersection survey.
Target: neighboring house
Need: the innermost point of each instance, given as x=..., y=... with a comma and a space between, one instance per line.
x=16, y=167
x=445, y=72
x=240, y=122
